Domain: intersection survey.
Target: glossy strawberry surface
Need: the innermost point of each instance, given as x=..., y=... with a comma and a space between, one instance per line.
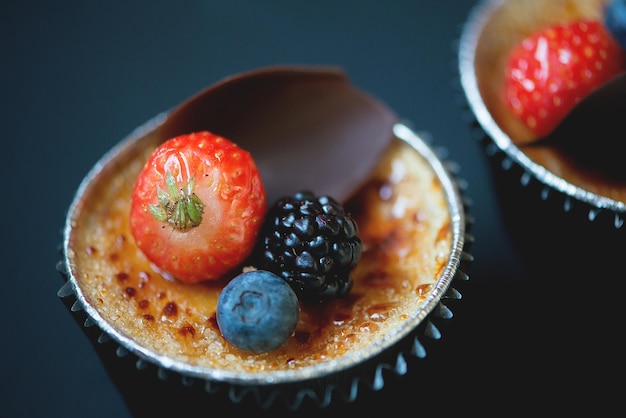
x=197, y=207
x=549, y=72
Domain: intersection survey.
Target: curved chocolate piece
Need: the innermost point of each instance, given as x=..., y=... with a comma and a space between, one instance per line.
x=593, y=131
x=306, y=127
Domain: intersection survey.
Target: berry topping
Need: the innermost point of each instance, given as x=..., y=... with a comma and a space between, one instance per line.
x=312, y=244
x=257, y=311
x=549, y=72
x=615, y=20
x=197, y=206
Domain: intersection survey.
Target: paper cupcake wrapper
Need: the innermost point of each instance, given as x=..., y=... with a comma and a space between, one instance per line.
x=341, y=386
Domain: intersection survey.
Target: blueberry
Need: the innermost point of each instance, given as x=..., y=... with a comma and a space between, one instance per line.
x=615, y=20
x=257, y=311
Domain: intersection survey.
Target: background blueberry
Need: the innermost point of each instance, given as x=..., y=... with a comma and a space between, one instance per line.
x=257, y=311
x=615, y=20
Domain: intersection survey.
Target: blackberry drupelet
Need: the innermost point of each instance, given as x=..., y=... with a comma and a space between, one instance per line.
x=312, y=244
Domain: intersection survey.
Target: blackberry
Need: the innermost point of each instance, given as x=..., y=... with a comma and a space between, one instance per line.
x=312, y=244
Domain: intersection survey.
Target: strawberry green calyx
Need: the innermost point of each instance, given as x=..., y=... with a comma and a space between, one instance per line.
x=197, y=206
x=179, y=206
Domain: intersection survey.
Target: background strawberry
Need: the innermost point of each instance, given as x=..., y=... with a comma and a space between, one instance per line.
x=551, y=70
x=197, y=206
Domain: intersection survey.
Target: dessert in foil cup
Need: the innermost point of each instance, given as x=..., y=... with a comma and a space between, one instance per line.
x=563, y=196
x=159, y=336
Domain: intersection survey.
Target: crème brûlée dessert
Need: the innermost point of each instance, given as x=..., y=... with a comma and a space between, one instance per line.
x=529, y=65
x=406, y=231
x=411, y=227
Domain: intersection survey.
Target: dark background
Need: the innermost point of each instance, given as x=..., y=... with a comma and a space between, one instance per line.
x=76, y=77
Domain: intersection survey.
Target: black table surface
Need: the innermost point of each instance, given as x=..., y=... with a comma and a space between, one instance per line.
x=77, y=77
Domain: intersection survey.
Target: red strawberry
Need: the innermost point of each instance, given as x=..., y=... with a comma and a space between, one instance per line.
x=551, y=70
x=197, y=206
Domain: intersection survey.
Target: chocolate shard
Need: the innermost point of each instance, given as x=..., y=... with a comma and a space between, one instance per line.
x=307, y=127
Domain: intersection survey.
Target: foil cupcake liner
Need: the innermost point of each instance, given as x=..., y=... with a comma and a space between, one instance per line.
x=135, y=373
x=550, y=219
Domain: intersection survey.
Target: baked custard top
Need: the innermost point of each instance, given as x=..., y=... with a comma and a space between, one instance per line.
x=404, y=223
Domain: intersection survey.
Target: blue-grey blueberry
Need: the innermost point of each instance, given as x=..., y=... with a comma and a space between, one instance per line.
x=615, y=20
x=257, y=311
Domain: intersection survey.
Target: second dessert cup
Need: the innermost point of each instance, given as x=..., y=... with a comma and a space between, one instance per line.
x=566, y=220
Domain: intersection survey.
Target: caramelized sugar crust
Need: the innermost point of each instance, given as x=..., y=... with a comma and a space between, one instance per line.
x=509, y=23
x=405, y=227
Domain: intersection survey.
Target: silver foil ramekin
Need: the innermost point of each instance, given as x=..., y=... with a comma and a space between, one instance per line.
x=134, y=369
x=559, y=228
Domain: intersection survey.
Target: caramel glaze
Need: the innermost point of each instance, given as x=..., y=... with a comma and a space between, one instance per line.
x=507, y=25
x=405, y=227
